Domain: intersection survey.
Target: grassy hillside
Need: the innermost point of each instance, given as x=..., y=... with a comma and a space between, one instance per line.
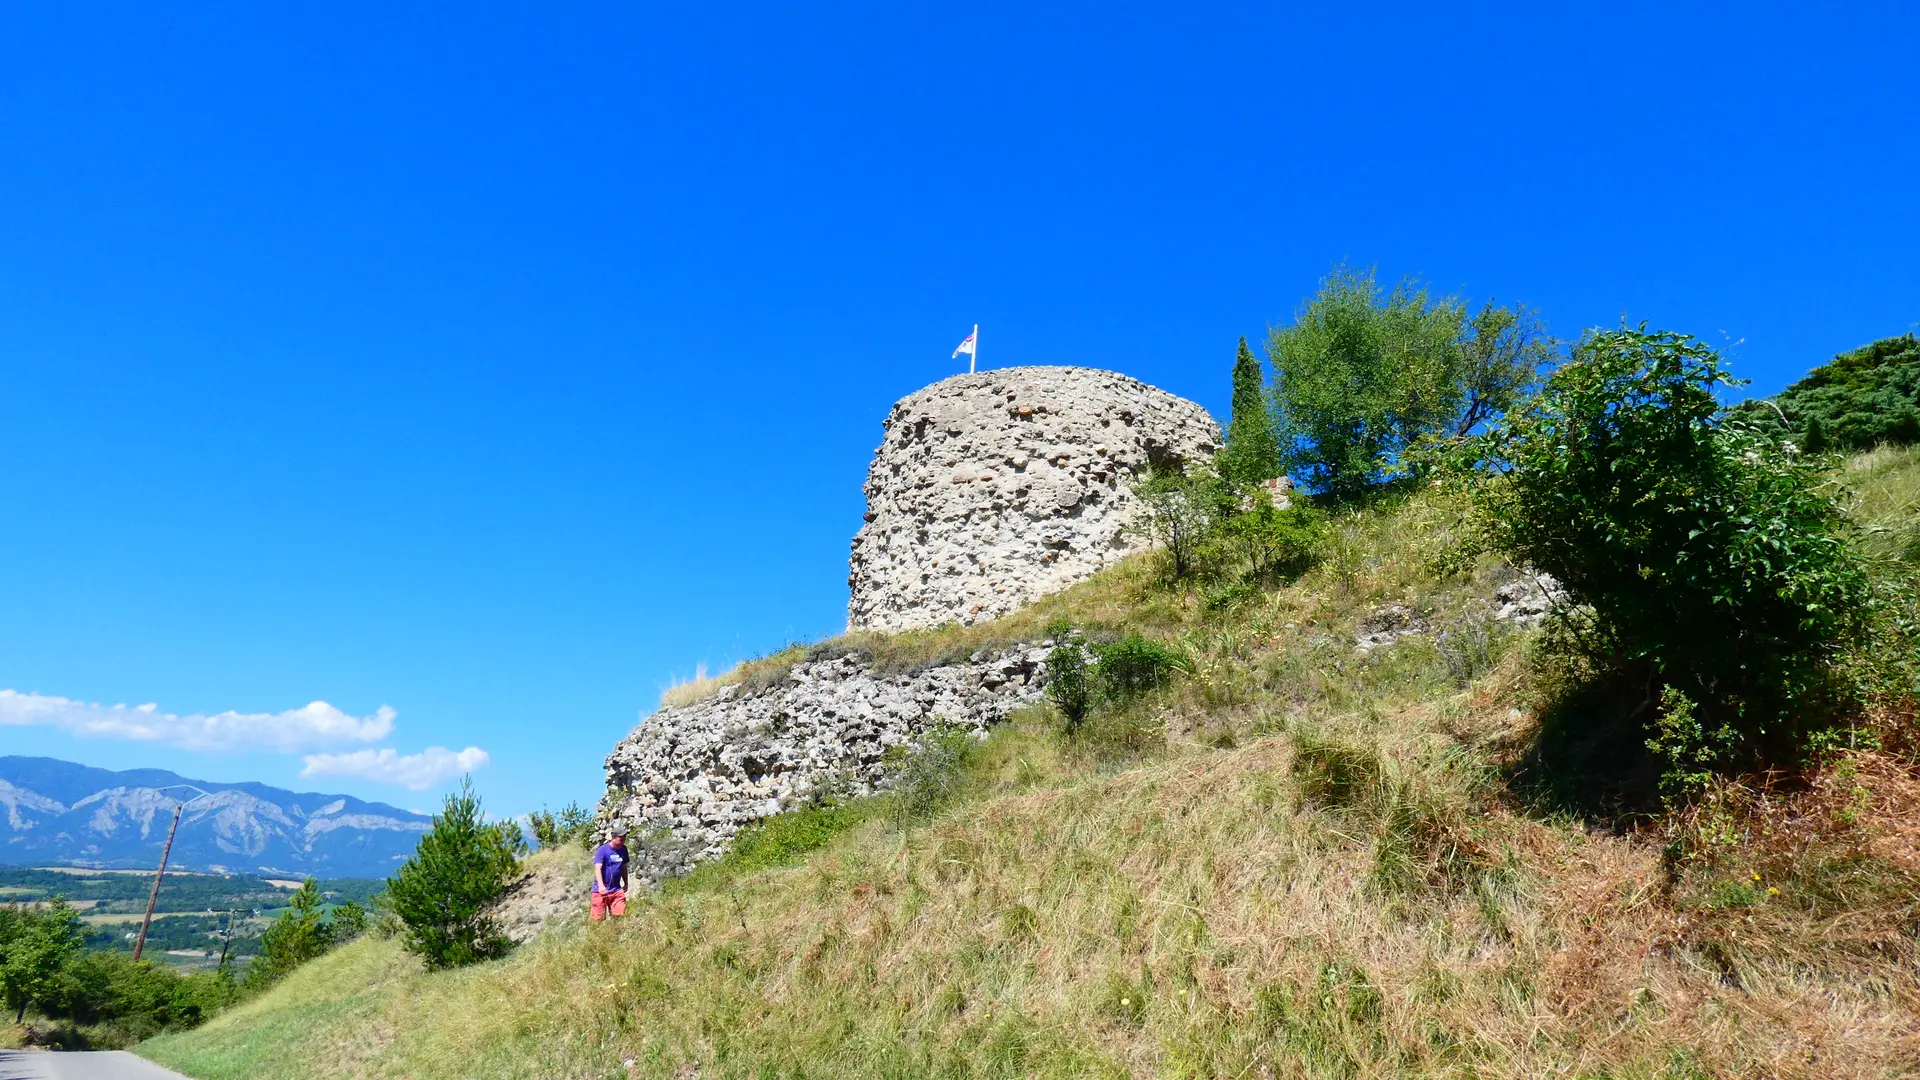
x=1299, y=860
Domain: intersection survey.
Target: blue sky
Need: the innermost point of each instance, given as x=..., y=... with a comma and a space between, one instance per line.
x=492, y=365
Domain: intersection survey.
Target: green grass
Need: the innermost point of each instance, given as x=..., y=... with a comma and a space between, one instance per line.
x=1294, y=860
x=275, y=1035
x=1887, y=483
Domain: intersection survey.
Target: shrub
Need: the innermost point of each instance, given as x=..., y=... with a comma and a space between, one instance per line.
x=1183, y=510
x=1706, y=556
x=1069, y=682
x=114, y=1002
x=445, y=893
x=1274, y=543
x=929, y=774
x=572, y=825
x=302, y=932
x=1134, y=665
x=347, y=921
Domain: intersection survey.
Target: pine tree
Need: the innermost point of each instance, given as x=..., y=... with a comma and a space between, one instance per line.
x=297, y=936
x=1252, y=453
x=446, y=892
x=1815, y=440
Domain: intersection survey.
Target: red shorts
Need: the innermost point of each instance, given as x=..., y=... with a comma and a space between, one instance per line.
x=607, y=903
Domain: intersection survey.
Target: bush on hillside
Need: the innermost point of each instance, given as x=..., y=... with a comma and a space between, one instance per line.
x=1133, y=665
x=1183, y=511
x=1855, y=402
x=573, y=824
x=1270, y=543
x=111, y=1002
x=445, y=893
x=927, y=779
x=98, y=1000
x=1114, y=673
x=1069, y=679
x=1705, y=557
x=1211, y=528
x=297, y=936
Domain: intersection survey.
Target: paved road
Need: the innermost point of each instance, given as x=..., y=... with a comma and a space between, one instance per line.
x=104, y=1065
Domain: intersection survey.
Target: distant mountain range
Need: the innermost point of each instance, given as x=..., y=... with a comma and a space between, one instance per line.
x=57, y=813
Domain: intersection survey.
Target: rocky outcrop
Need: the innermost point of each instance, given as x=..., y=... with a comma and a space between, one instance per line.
x=993, y=489
x=1522, y=602
x=552, y=885
x=687, y=779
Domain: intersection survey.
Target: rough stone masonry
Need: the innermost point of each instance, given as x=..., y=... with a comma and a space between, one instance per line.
x=687, y=779
x=991, y=490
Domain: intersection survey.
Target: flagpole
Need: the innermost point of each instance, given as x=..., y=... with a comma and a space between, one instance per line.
x=973, y=357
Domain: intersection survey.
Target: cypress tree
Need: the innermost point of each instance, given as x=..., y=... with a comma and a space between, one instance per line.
x=1252, y=453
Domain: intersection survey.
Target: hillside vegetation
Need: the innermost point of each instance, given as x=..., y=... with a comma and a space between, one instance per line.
x=1856, y=401
x=1430, y=858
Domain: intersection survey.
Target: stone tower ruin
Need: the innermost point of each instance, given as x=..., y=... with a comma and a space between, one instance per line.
x=993, y=489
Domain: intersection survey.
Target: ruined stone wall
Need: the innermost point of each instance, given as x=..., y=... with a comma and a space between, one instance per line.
x=991, y=490
x=687, y=779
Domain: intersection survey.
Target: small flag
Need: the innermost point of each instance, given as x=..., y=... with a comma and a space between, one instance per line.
x=967, y=346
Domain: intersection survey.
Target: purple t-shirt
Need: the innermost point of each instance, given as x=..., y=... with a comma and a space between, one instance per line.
x=615, y=872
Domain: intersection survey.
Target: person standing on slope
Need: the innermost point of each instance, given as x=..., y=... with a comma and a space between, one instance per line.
x=609, y=878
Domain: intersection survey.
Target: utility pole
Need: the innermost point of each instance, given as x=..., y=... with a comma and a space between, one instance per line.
x=226, y=942
x=153, y=897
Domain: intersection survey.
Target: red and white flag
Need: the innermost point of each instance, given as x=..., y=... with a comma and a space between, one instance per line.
x=967, y=346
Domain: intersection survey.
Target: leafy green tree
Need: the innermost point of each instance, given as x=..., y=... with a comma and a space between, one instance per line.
x=1501, y=356
x=445, y=893
x=1708, y=558
x=1252, y=453
x=35, y=943
x=1359, y=375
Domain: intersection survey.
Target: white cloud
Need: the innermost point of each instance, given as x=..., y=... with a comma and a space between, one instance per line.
x=310, y=727
x=388, y=766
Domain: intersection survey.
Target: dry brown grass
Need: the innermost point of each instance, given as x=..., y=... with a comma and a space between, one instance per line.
x=697, y=689
x=1316, y=868
x=1192, y=918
